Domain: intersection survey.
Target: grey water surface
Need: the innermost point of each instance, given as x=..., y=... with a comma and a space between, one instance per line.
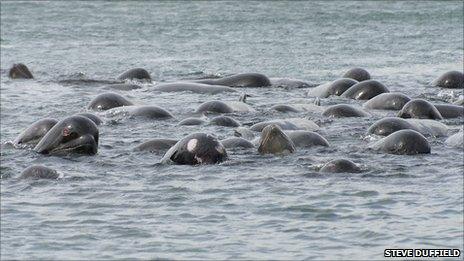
x=122, y=204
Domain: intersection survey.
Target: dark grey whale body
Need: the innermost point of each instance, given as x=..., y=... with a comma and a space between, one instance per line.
x=92, y=117
x=196, y=148
x=306, y=139
x=358, y=74
x=387, y=101
x=214, y=107
x=193, y=87
x=35, y=132
x=156, y=145
x=451, y=79
x=39, y=172
x=284, y=108
x=122, y=86
x=287, y=124
x=75, y=134
x=275, y=141
x=191, y=122
x=135, y=74
x=388, y=125
x=337, y=87
x=240, y=80
x=343, y=110
x=106, y=101
x=450, y=110
x=407, y=142
x=149, y=111
x=340, y=166
x=365, y=90
x=224, y=121
x=20, y=71
x=236, y=142
x=419, y=109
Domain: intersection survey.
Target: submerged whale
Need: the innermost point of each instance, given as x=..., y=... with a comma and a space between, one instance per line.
x=340, y=166
x=192, y=87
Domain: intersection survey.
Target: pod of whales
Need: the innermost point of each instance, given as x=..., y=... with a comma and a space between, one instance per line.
x=194, y=149
x=75, y=134
x=387, y=101
x=340, y=166
x=275, y=141
x=240, y=80
x=451, y=79
x=359, y=74
x=408, y=142
x=420, y=109
x=19, y=71
x=365, y=90
x=403, y=134
x=106, y=101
